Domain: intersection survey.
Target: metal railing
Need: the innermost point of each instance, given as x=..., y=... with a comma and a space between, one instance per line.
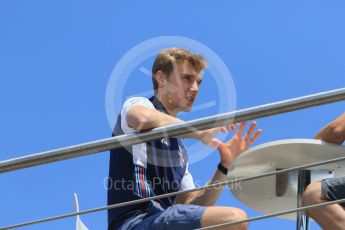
x=210, y=186
x=173, y=130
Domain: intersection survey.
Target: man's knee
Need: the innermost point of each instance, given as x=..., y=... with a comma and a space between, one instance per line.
x=312, y=194
x=236, y=214
x=239, y=214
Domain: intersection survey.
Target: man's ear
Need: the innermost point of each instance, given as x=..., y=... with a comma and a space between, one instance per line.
x=160, y=78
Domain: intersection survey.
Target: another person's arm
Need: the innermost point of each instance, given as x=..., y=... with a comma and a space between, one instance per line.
x=334, y=132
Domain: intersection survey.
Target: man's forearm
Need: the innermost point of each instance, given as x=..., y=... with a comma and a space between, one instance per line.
x=209, y=197
x=141, y=118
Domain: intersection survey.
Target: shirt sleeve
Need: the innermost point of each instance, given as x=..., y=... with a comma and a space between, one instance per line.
x=187, y=181
x=127, y=105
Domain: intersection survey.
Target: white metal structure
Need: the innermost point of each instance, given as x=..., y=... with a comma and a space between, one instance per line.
x=79, y=224
x=280, y=192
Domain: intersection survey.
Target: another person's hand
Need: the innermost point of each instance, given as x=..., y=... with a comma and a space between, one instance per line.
x=238, y=144
x=334, y=132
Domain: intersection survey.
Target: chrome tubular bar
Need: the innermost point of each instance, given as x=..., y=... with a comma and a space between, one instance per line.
x=173, y=130
x=209, y=186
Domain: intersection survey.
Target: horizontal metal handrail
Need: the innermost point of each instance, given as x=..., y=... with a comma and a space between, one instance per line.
x=173, y=130
x=148, y=199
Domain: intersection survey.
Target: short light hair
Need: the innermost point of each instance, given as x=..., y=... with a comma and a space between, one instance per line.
x=166, y=59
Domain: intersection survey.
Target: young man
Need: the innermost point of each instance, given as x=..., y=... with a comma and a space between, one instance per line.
x=330, y=217
x=161, y=166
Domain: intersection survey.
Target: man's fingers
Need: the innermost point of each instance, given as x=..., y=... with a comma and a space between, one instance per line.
x=250, y=131
x=215, y=143
x=228, y=128
x=256, y=135
x=241, y=129
x=232, y=127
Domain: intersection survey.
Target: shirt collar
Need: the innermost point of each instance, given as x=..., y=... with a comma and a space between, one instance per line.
x=157, y=104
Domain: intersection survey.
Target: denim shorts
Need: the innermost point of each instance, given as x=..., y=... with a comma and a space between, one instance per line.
x=176, y=217
x=334, y=188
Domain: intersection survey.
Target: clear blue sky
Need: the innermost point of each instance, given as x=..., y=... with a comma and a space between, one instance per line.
x=56, y=58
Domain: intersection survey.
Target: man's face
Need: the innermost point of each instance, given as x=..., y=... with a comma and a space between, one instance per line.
x=182, y=87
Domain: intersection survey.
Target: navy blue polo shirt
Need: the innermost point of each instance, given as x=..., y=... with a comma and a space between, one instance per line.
x=144, y=170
